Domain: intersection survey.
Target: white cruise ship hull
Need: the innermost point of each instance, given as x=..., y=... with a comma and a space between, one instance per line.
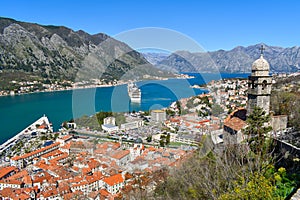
x=135, y=100
x=134, y=93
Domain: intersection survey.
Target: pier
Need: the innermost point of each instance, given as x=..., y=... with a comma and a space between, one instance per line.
x=40, y=125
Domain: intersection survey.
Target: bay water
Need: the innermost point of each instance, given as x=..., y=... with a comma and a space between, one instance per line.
x=19, y=111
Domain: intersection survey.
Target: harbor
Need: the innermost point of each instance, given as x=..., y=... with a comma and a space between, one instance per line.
x=42, y=125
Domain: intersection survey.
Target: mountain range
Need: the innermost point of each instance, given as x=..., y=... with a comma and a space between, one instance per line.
x=237, y=60
x=58, y=52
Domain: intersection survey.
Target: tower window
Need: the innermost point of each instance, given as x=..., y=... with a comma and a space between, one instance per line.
x=264, y=84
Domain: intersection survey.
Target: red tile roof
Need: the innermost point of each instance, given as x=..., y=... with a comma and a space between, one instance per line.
x=235, y=123
x=35, y=152
x=10, y=181
x=66, y=146
x=6, y=170
x=104, y=193
x=236, y=119
x=67, y=137
x=19, y=175
x=120, y=154
x=113, y=180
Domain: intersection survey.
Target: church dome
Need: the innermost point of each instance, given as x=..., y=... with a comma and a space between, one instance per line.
x=260, y=64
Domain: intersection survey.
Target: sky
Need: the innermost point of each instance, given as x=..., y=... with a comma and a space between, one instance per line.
x=213, y=24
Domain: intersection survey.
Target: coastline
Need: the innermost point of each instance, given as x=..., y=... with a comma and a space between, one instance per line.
x=65, y=89
x=182, y=76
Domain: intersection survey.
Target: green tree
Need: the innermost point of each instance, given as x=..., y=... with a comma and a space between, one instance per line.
x=65, y=125
x=257, y=123
x=178, y=105
x=168, y=139
x=162, y=142
x=287, y=103
x=205, y=100
x=149, y=138
x=257, y=128
x=146, y=113
x=101, y=115
x=170, y=112
x=120, y=118
x=237, y=172
x=257, y=187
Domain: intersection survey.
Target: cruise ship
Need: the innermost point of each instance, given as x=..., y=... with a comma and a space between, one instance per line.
x=134, y=93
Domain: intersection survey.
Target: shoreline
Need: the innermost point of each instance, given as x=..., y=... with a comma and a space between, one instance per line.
x=92, y=86
x=61, y=90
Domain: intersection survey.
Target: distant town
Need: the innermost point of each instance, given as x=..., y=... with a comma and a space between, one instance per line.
x=17, y=87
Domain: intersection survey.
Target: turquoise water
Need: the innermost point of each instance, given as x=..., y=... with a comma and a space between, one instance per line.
x=17, y=112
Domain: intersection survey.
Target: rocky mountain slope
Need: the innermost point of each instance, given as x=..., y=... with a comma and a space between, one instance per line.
x=154, y=58
x=237, y=60
x=57, y=52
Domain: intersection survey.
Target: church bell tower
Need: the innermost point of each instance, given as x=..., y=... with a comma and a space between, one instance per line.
x=259, y=85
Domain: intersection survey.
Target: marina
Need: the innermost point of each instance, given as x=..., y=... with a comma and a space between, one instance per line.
x=42, y=125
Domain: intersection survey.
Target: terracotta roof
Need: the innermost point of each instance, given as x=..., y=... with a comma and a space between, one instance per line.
x=204, y=121
x=166, y=154
x=43, y=126
x=60, y=157
x=175, y=119
x=10, y=181
x=235, y=123
x=236, y=119
x=19, y=175
x=52, y=154
x=75, y=168
x=50, y=192
x=67, y=137
x=40, y=177
x=35, y=152
x=66, y=146
x=92, y=163
x=151, y=148
x=24, y=196
x=128, y=176
x=6, y=170
x=116, y=145
x=113, y=180
x=104, y=193
x=94, y=194
x=70, y=196
x=120, y=154
x=27, y=179
x=7, y=192
x=86, y=170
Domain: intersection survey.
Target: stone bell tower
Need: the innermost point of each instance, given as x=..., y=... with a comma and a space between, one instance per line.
x=259, y=85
